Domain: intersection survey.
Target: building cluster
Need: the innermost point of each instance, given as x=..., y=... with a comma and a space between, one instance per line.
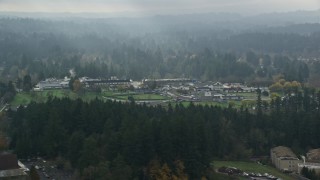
x=89, y=82
x=179, y=88
x=11, y=168
x=209, y=91
x=163, y=82
x=53, y=83
x=218, y=92
x=285, y=160
x=228, y=91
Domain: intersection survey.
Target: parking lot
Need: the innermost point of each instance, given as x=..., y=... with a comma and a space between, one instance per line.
x=47, y=169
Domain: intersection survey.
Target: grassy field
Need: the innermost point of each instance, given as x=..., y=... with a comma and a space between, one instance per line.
x=137, y=97
x=149, y=97
x=252, y=96
x=247, y=95
x=252, y=167
x=24, y=98
x=21, y=98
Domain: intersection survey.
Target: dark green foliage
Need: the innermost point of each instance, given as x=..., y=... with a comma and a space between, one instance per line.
x=131, y=99
x=265, y=93
x=7, y=92
x=11, y=88
x=259, y=103
x=124, y=138
x=27, y=85
x=127, y=135
x=309, y=173
x=72, y=79
x=34, y=174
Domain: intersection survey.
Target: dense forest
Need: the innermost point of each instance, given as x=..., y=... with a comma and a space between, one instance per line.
x=45, y=48
x=125, y=141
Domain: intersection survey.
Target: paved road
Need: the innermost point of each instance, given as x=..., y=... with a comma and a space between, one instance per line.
x=47, y=171
x=4, y=107
x=152, y=102
x=117, y=100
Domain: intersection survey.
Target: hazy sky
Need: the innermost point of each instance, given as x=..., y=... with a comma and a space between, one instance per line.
x=158, y=6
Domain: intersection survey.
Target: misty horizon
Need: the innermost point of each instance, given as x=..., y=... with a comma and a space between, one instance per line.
x=145, y=8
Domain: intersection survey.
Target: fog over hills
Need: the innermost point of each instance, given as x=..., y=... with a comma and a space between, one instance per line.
x=223, y=20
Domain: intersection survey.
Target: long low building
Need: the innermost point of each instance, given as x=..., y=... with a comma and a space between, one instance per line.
x=52, y=84
x=312, y=162
x=310, y=166
x=88, y=82
x=166, y=81
x=284, y=159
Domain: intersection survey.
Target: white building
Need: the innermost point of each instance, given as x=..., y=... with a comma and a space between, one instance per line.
x=284, y=159
x=207, y=94
x=310, y=166
x=52, y=83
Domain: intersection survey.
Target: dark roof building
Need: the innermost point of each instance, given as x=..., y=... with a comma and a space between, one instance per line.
x=162, y=82
x=11, y=168
x=8, y=161
x=88, y=82
x=108, y=82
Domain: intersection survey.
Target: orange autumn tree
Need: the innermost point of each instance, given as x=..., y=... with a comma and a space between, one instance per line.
x=156, y=171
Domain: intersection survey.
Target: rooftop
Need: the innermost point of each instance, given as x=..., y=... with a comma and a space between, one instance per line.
x=313, y=155
x=12, y=173
x=8, y=161
x=310, y=165
x=284, y=152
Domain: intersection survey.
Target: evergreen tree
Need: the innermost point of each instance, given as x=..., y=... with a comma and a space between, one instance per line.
x=27, y=86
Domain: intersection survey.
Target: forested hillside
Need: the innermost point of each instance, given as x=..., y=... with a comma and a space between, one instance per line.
x=114, y=140
x=103, y=48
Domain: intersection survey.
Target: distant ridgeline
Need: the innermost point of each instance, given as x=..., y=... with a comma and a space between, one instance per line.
x=112, y=140
x=44, y=48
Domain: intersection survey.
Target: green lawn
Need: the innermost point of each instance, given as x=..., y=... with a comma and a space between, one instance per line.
x=252, y=96
x=137, y=97
x=107, y=93
x=247, y=94
x=149, y=97
x=42, y=96
x=252, y=167
x=21, y=98
x=24, y=98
